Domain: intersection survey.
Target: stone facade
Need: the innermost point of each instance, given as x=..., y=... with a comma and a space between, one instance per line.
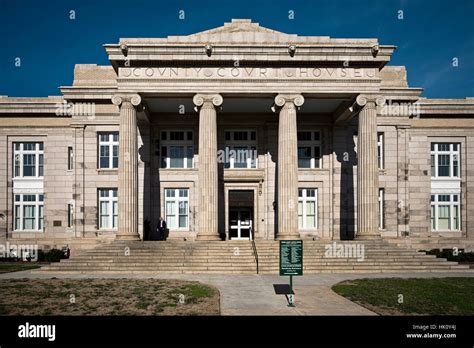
x=321, y=115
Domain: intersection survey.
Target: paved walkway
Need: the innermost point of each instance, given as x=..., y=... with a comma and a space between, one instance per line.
x=255, y=294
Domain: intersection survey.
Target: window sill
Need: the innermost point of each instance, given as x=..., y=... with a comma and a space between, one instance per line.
x=28, y=231
x=27, y=178
x=107, y=170
x=169, y=169
x=313, y=169
x=445, y=178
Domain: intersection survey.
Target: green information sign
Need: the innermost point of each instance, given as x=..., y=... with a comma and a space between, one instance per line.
x=291, y=257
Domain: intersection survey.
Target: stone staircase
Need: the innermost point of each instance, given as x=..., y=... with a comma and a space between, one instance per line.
x=379, y=257
x=162, y=257
x=238, y=257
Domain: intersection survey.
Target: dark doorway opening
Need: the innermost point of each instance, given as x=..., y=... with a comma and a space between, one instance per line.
x=241, y=212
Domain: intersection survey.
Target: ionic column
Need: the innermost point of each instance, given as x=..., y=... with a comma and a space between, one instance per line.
x=288, y=166
x=208, y=185
x=367, y=169
x=128, y=168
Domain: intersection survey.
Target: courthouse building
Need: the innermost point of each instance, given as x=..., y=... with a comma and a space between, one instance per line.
x=238, y=132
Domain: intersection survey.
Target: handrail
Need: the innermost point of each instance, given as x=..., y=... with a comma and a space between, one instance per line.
x=254, y=248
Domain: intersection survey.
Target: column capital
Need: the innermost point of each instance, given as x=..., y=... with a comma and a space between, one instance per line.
x=282, y=99
x=201, y=99
x=119, y=99
x=371, y=100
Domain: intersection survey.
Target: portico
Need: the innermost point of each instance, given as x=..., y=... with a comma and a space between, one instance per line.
x=211, y=74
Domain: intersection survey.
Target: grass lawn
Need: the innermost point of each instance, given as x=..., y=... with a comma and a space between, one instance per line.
x=430, y=296
x=6, y=267
x=106, y=297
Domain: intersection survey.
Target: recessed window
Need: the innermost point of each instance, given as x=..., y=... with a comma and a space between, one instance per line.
x=108, y=150
x=177, y=149
x=28, y=212
x=108, y=208
x=240, y=151
x=70, y=158
x=28, y=160
x=445, y=160
x=380, y=150
x=381, y=208
x=309, y=149
x=177, y=208
x=70, y=215
x=445, y=212
x=307, y=209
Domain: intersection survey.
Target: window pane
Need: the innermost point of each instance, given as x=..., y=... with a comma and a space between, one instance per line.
x=189, y=156
x=115, y=214
x=183, y=221
x=241, y=155
x=317, y=157
x=310, y=214
x=176, y=157
x=29, y=165
x=41, y=217
x=171, y=214
x=28, y=217
x=433, y=226
x=115, y=156
x=40, y=165
x=443, y=165
x=104, y=215
x=304, y=157
x=300, y=214
x=456, y=217
x=443, y=217
x=17, y=217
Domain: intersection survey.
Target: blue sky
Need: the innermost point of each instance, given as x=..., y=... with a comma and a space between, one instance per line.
x=429, y=36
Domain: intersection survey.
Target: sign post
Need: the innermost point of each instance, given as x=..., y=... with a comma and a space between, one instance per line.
x=291, y=263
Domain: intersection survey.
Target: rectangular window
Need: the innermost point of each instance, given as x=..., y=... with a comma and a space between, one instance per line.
x=108, y=209
x=307, y=209
x=70, y=215
x=240, y=149
x=70, y=158
x=445, y=160
x=108, y=150
x=28, y=160
x=177, y=208
x=381, y=208
x=28, y=212
x=309, y=149
x=380, y=150
x=445, y=211
x=177, y=149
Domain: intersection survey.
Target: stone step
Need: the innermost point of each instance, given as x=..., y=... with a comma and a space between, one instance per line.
x=220, y=257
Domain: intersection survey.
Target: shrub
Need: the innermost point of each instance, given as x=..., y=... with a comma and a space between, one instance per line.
x=53, y=255
x=448, y=254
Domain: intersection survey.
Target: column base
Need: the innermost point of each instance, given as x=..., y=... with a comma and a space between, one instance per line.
x=368, y=237
x=289, y=236
x=208, y=237
x=132, y=237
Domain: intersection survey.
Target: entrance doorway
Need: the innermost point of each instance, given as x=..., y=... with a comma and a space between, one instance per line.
x=241, y=214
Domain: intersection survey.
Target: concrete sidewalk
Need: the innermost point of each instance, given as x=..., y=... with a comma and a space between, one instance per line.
x=255, y=294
